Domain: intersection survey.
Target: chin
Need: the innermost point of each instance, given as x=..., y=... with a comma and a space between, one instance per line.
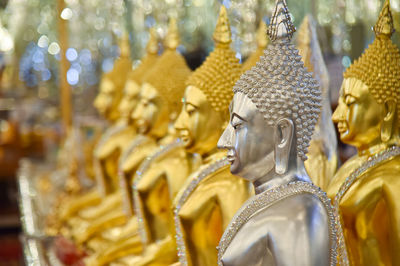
x=235, y=168
x=189, y=147
x=345, y=137
x=142, y=130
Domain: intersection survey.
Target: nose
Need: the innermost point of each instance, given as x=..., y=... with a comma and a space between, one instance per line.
x=123, y=105
x=338, y=114
x=138, y=111
x=226, y=139
x=180, y=121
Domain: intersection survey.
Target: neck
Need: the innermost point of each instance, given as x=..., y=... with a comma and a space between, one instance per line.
x=123, y=120
x=380, y=146
x=295, y=172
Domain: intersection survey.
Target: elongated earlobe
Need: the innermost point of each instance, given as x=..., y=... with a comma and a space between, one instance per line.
x=283, y=142
x=387, y=124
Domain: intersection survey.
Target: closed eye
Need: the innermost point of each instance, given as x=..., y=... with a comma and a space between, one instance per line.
x=237, y=121
x=190, y=109
x=237, y=126
x=349, y=99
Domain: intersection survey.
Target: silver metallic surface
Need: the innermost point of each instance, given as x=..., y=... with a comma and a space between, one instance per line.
x=292, y=230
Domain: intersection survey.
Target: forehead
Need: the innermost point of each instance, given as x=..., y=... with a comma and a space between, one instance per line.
x=242, y=105
x=194, y=96
x=148, y=91
x=131, y=87
x=106, y=86
x=354, y=87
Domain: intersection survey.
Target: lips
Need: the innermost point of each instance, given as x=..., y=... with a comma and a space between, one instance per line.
x=141, y=125
x=342, y=128
x=230, y=156
x=184, y=136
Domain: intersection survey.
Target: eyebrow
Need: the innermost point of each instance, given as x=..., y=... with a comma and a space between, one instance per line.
x=147, y=97
x=191, y=104
x=349, y=92
x=238, y=116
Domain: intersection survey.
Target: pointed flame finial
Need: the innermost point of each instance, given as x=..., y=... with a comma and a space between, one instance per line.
x=384, y=26
x=305, y=32
x=281, y=25
x=262, y=38
x=124, y=45
x=152, y=44
x=222, y=33
x=172, y=39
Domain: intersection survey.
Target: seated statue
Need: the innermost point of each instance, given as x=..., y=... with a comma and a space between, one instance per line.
x=113, y=144
x=210, y=195
x=274, y=110
x=107, y=103
x=366, y=188
x=160, y=100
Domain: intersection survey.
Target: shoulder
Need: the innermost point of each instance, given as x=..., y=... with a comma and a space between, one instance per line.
x=299, y=208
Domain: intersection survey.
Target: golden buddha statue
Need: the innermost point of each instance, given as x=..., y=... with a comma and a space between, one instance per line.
x=107, y=103
x=322, y=154
x=159, y=103
x=115, y=102
x=262, y=42
x=211, y=195
x=366, y=187
x=110, y=212
x=200, y=215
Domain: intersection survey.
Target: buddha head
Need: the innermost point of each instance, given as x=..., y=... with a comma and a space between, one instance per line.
x=112, y=84
x=162, y=89
x=208, y=92
x=135, y=77
x=274, y=109
x=368, y=110
x=108, y=98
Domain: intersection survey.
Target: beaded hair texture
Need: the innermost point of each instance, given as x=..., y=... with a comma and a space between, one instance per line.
x=279, y=84
x=169, y=73
x=379, y=66
x=217, y=75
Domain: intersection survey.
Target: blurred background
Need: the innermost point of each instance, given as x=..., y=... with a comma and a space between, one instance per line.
x=46, y=45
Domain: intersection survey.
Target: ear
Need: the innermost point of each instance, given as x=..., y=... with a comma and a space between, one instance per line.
x=387, y=124
x=283, y=142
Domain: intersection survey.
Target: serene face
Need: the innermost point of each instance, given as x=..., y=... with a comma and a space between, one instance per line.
x=130, y=99
x=198, y=125
x=151, y=115
x=358, y=115
x=248, y=139
x=105, y=99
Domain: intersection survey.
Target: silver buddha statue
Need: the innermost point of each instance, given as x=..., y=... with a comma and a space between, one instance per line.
x=275, y=108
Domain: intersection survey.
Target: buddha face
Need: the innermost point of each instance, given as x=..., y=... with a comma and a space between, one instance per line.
x=104, y=101
x=358, y=115
x=248, y=139
x=130, y=99
x=198, y=125
x=151, y=115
